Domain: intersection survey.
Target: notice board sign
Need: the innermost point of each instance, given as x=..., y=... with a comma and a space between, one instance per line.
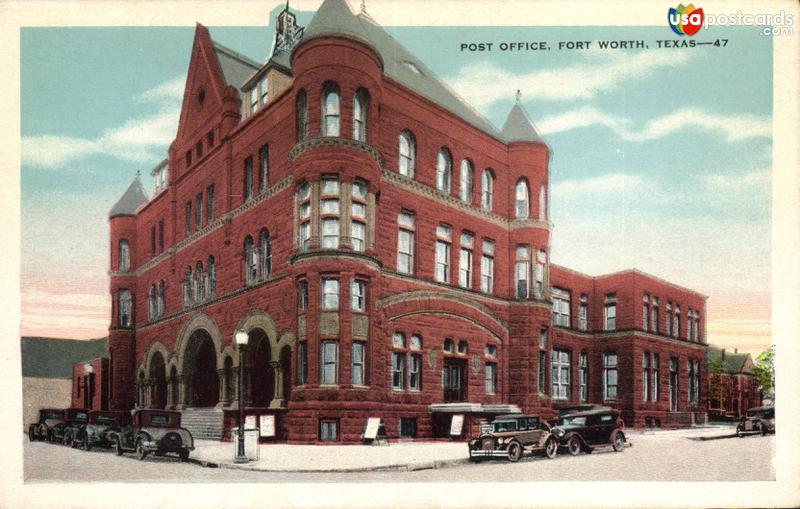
x=456, y=425
x=373, y=424
x=250, y=422
x=266, y=425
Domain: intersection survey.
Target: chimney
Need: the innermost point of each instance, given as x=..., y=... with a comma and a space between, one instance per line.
x=723, y=354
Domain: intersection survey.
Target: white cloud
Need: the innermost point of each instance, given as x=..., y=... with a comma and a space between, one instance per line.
x=484, y=83
x=741, y=182
x=581, y=117
x=140, y=140
x=602, y=185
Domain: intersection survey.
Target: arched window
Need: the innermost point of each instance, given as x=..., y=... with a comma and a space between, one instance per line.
x=542, y=204
x=160, y=303
x=522, y=200
x=407, y=150
x=250, y=262
x=124, y=256
x=187, y=287
x=330, y=110
x=465, y=182
x=199, y=283
x=152, y=309
x=487, y=189
x=265, y=254
x=301, y=106
x=360, y=109
x=211, y=277
x=444, y=170
x=125, y=307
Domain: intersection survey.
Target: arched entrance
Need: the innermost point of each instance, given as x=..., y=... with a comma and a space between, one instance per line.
x=262, y=376
x=200, y=370
x=158, y=381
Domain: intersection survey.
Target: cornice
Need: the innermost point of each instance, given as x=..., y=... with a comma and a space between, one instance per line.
x=334, y=141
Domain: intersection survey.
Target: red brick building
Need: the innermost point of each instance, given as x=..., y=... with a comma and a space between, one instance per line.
x=733, y=388
x=90, y=384
x=385, y=247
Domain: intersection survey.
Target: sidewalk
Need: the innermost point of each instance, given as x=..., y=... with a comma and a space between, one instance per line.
x=335, y=458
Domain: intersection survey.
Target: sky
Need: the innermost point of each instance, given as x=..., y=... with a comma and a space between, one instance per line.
x=661, y=156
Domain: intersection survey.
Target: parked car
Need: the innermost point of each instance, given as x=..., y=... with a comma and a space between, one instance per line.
x=584, y=431
x=583, y=407
x=42, y=429
x=101, y=430
x=64, y=431
x=511, y=436
x=757, y=420
x=154, y=431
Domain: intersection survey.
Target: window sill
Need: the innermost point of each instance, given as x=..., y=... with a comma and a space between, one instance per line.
x=328, y=387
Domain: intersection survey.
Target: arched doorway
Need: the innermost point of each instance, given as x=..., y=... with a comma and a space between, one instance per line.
x=201, y=370
x=158, y=381
x=262, y=376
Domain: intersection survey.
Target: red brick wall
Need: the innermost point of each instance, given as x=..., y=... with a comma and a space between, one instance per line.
x=97, y=382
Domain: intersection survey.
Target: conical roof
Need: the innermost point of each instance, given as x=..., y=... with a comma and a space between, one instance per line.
x=133, y=198
x=334, y=18
x=519, y=127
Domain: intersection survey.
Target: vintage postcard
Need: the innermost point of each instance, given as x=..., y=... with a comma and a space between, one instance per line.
x=404, y=254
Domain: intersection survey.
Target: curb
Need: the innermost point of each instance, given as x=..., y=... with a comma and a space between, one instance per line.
x=406, y=467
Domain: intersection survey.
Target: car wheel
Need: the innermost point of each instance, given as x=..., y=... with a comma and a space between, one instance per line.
x=763, y=430
x=184, y=454
x=574, y=445
x=85, y=443
x=49, y=437
x=619, y=442
x=551, y=448
x=67, y=439
x=31, y=434
x=514, y=451
x=739, y=433
x=119, y=449
x=140, y=452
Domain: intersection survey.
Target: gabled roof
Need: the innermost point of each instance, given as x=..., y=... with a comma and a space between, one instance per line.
x=133, y=198
x=519, y=127
x=236, y=68
x=733, y=363
x=54, y=358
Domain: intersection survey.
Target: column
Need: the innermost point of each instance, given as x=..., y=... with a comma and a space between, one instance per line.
x=277, y=392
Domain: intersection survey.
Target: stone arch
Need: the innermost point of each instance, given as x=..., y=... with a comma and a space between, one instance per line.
x=476, y=323
x=199, y=321
x=157, y=346
x=258, y=319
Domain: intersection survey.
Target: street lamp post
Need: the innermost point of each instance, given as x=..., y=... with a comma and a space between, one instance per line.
x=241, y=338
x=87, y=385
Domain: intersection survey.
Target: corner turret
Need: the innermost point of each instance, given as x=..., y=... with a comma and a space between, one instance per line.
x=133, y=198
x=519, y=126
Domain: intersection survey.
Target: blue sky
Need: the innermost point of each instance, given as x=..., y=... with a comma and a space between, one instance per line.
x=661, y=160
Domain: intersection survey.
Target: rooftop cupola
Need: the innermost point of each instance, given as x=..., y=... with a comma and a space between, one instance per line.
x=287, y=33
x=518, y=126
x=133, y=198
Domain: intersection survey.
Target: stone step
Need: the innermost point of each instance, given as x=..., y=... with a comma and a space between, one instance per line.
x=203, y=423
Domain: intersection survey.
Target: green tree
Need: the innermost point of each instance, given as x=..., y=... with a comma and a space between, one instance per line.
x=764, y=369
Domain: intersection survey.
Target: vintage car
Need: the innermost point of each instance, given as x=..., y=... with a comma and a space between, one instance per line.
x=584, y=431
x=154, y=431
x=101, y=429
x=583, y=407
x=64, y=431
x=757, y=420
x=511, y=436
x=42, y=429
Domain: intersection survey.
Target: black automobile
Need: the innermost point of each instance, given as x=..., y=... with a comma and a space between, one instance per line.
x=64, y=432
x=511, y=436
x=583, y=407
x=589, y=429
x=154, y=431
x=42, y=429
x=101, y=430
x=757, y=420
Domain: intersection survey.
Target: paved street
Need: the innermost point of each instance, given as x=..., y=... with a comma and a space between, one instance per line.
x=663, y=456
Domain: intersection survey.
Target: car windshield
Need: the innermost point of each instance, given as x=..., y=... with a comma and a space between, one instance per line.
x=54, y=414
x=160, y=420
x=572, y=421
x=81, y=416
x=501, y=426
x=104, y=419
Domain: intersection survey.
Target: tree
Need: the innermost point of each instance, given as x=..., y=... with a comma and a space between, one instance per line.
x=764, y=369
x=716, y=388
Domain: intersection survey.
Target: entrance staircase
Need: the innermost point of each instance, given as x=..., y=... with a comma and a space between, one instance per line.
x=203, y=423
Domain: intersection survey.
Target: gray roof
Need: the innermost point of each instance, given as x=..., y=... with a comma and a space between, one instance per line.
x=334, y=18
x=733, y=363
x=53, y=358
x=519, y=127
x=236, y=68
x=133, y=198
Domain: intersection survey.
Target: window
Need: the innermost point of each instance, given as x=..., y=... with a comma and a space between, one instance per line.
x=357, y=295
x=188, y=218
x=253, y=99
x=676, y=322
x=562, y=302
x=211, y=277
x=152, y=241
x=198, y=212
x=541, y=260
x=583, y=313
x=302, y=296
x=522, y=272
x=330, y=293
x=329, y=362
x=610, y=312
x=654, y=378
x=415, y=363
x=522, y=199
x=357, y=363
x=152, y=303
x=444, y=237
x=444, y=170
x=187, y=287
x=330, y=233
x=301, y=112
x=560, y=374
x=645, y=376
x=124, y=256
x=210, y=203
x=465, y=260
x=583, y=377
x=697, y=326
x=265, y=254
x=408, y=428
x=358, y=210
x=487, y=189
x=542, y=203
x=357, y=234
x=668, y=319
x=543, y=339
x=263, y=167
x=330, y=110
x=490, y=351
x=689, y=325
x=188, y=158
x=673, y=384
x=654, y=316
x=304, y=214
x=407, y=154
x=609, y=376
x=645, y=311
x=462, y=347
x=302, y=363
x=160, y=302
x=405, y=243
x=448, y=346
x=398, y=362
x=490, y=378
x=263, y=90
x=210, y=139
x=360, y=109
x=328, y=431
x=542, y=373
x=161, y=236
x=693, y=379
x=199, y=283
x=247, y=190
x=250, y=261
x=125, y=307
x=465, y=182
x=329, y=209
x=487, y=267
